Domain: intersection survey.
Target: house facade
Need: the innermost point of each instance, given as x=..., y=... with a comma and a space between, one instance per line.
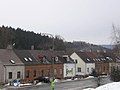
x=27, y=65
x=69, y=67
x=11, y=66
x=2, y=80
x=30, y=64
x=84, y=65
x=102, y=62
x=52, y=63
x=40, y=64
x=69, y=70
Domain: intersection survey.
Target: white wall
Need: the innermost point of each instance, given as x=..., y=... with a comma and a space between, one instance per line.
x=69, y=70
x=1, y=73
x=91, y=66
x=14, y=70
x=80, y=63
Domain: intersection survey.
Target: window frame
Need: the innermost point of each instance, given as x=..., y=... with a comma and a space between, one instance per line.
x=18, y=74
x=10, y=75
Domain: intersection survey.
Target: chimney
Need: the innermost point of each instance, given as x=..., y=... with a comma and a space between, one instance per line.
x=32, y=47
x=104, y=51
x=90, y=50
x=98, y=51
x=9, y=47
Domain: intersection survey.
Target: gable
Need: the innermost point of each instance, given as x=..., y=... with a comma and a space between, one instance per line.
x=8, y=57
x=76, y=57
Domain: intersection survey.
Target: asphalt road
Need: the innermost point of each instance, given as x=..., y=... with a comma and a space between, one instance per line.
x=70, y=85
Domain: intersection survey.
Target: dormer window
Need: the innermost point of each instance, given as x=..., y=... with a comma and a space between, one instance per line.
x=68, y=59
x=65, y=58
x=88, y=59
x=40, y=57
x=25, y=59
x=103, y=59
x=99, y=60
x=12, y=61
x=56, y=58
x=109, y=58
x=30, y=59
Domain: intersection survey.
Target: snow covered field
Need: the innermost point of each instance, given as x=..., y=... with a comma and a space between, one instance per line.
x=110, y=86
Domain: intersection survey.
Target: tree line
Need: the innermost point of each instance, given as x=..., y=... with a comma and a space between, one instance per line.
x=22, y=39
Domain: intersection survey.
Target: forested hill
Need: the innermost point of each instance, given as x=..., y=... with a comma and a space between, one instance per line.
x=83, y=46
x=22, y=39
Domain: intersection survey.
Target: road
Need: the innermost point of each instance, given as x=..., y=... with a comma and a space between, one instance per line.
x=71, y=85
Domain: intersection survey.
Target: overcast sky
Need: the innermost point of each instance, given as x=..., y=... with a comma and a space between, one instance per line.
x=81, y=20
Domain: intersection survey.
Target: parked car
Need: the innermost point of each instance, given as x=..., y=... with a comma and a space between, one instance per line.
x=42, y=79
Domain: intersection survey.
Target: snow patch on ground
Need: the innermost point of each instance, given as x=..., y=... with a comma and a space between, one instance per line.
x=8, y=84
x=89, y=89
x=76, y=79
x=109, y=86
x=40, y=83
x=57, y=80
x=27, y=84
x=89, y=77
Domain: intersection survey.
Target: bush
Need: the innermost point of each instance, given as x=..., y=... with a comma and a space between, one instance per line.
x=115, y=75
x=1, y=85
x=94, y=73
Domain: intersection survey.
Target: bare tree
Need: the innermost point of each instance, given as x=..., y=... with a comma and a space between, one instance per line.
x=116, y=38
x=115, y=72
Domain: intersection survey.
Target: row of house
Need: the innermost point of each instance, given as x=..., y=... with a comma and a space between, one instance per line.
x=27, y=65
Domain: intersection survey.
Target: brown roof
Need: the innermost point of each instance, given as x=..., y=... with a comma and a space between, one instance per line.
x=6, y=55
x=26, y=57
x=48, y=54
x=85, y=57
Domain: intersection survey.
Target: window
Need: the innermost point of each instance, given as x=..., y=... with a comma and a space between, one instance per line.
x=88, y=59
x=56, y=58
x=79, y=69
x=104, y=68
x=25, y=59
x=12, y=61
x=48, y=72
x=60, y=71
x=10, y=75
x=30, y=59
x=65, y=58
x=27, y=73
x=18, y=74
x=55, y=71
x=87, y=69
x=92, y=69
x=42, y=72
x=76, y=61
x=34, y=73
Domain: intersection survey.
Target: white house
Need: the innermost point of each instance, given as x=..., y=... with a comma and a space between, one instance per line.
x=69, y=70
x=68, y=67
x=11, y=67
x=84, y=64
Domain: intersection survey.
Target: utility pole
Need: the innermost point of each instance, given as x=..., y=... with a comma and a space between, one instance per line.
x=53, y=58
